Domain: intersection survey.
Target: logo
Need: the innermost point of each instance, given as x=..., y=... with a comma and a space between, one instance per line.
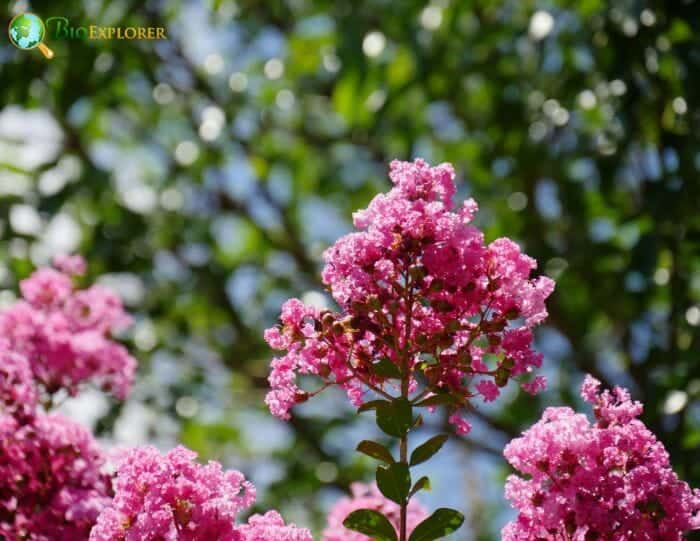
x=61, y=28
x=27, y=31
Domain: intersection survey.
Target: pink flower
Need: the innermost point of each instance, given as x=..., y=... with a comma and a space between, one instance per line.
x=271, y=527
x=46, y=288
x=488, y=389
x=66, y=333
x=605, y=480
x=535, y=386
x=368, y=497
x=18, y=394
x=170, y=496
x=51, y=484
x=462, y=426
x=418, y=287
x=73, y=265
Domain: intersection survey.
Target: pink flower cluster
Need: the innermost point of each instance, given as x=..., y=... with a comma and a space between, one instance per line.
x=418, y=286
x=18, y=396
x=172, y=497
x=368, y=497
x=271, y=527
x=607, y=480
x=65, y=333
x=51, y=481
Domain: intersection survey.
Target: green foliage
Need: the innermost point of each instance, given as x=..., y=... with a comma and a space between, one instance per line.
x=441, y=523
x=375, y=450
x=386, y=369
x=394, y=481
x=395, y=418
x=437, y=400
x=426, y=450
x=422, y=484
x=371, y=523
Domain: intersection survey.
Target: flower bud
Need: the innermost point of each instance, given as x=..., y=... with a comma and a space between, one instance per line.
x=327, y=319
x=351, y=324
x=183, y=512
x=537, y=499
x=502, y=376
x=324, y=371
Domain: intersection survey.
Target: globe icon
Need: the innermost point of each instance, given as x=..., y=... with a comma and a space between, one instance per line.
x=26, y=31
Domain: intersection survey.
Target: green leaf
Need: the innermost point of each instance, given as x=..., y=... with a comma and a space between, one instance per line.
x=440, y=524
x=422, y=484
x=375, y=450
x=438, y=400
x=394, y=481
x=386, y=369
x=395, y=418
x=372, y=523
x=423, y=452
x=371, y=405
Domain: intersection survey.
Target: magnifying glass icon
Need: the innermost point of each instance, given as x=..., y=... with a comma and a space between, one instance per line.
x=27, y=31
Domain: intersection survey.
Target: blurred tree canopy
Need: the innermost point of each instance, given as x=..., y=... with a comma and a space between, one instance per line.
x=205, y=174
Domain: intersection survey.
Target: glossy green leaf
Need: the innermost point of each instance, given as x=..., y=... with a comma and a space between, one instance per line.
x=422, y=484
x=426, y=450
x=438, y=400
x=371, y=523
x=395, y=418
x=440, y=524
x=394, y=481
x=371, y=405
x=386, y=369
x=375, y=450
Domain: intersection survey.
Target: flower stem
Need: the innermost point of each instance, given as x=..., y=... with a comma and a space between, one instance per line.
x=403, y=450
x=405, y=384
